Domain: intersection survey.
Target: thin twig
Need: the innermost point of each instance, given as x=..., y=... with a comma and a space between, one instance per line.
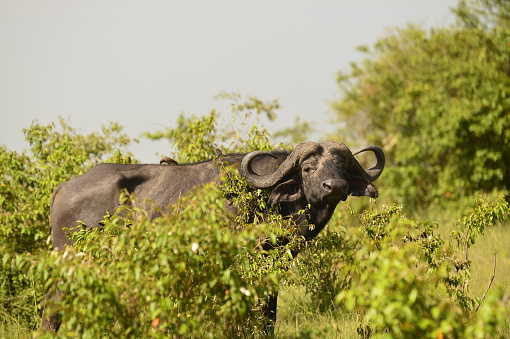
x=490, y=283
x=466, y=282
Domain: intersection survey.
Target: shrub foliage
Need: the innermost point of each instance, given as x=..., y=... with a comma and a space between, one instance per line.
x=191, y=273
x=199, y=271
x=438, y=102
x=28, y=181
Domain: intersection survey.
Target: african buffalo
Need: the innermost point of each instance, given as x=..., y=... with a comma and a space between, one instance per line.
x=314, y=175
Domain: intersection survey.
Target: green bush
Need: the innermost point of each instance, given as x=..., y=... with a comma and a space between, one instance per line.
x=438, y=102
x=27, y=183
x=199, y=271
x=29, y=179
x=406, y=280
x=201, y=137
x=192, y=273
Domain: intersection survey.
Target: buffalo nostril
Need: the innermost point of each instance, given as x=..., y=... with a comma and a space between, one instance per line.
x=327, y=186
x=335, y=187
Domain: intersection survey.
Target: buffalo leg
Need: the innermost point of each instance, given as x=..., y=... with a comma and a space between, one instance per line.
x=51, y=321
x=270, y=314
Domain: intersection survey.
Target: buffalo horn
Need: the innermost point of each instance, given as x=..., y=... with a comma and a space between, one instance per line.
x=267, y=181
x=374, y=172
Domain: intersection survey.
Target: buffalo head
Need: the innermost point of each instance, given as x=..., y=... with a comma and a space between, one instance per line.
x=318, y=175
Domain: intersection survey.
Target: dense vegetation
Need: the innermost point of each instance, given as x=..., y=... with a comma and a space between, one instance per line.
x=438, y=101
x=430, y=259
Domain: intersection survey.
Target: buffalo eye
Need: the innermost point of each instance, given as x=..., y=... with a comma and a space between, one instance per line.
x=339, y=163
x=308, y=169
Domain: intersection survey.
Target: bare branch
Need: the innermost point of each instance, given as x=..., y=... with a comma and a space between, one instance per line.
x=490, y=283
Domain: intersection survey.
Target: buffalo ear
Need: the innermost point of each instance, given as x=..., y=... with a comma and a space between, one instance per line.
x=287, y=191
x=359, y=186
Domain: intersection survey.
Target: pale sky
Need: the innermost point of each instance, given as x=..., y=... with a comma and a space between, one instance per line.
x=142, y=63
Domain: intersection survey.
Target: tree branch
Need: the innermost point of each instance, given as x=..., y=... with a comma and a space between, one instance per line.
x=489, y=285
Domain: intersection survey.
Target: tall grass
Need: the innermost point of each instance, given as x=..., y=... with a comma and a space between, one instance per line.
x=297, y=317
x=11, y=328
x=491, y=254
